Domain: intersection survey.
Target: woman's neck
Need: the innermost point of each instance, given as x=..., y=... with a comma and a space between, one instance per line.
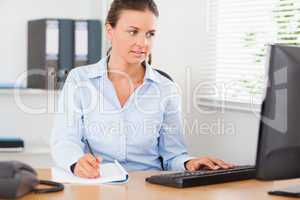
x=123, y=69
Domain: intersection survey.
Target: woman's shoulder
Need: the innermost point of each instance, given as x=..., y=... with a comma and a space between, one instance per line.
x=87, y=71
x=163, y=75
x=165, y=79
x=166, y=84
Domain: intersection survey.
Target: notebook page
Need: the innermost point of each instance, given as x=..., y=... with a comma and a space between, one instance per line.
x=110, y=172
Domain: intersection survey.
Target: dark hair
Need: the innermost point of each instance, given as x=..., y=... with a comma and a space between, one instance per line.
x=118, y=6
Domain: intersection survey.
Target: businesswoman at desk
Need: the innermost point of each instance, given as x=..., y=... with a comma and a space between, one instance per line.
x=125, y=109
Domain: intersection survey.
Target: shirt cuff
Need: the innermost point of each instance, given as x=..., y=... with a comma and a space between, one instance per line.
x=63, y=161
x=72, y=167
x=178, y=163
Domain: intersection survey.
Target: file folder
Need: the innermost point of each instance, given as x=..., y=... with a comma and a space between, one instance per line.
x=88, y=37
x=81, y=43
x=55, y=46
x=43, y=50
x=94, y=41
x=66, y=49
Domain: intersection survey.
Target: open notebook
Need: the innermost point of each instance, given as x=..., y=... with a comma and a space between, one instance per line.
x=109, y=172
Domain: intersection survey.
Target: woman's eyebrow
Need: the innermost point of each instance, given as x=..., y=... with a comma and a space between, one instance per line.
x=134, y=27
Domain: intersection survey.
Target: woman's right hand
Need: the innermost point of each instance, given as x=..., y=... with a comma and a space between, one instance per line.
x=87, y=166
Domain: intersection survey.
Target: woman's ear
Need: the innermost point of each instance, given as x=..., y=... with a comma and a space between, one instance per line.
x=109, y=31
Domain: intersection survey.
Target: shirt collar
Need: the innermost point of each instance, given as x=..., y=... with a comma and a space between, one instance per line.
x=150, y=74
x=100, y=68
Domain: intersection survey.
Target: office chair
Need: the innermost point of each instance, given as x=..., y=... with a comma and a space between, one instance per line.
x=168, y=77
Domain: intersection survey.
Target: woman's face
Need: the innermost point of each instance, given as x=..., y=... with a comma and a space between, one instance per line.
x=133, y=35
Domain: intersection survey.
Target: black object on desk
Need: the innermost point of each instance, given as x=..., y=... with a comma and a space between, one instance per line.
x=291, y=191
x=203, y=177
x=18, y=179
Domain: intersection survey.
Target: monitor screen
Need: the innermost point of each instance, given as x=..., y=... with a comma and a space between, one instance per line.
x=278, y=154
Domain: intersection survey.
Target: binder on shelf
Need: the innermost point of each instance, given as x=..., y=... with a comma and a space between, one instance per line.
x=88, y=37
x=11, y=143
x=55, y=46
x=66, y=49
x=94, y=41
x=43, y=50
x=81, y=43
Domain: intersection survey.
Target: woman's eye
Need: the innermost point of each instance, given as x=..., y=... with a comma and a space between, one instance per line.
x=133, y=32
x=149, y=35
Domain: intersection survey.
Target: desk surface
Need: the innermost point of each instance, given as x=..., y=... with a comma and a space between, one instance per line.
x=137, y=188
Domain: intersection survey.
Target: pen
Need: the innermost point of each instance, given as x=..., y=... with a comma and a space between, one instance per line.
x=89, y=147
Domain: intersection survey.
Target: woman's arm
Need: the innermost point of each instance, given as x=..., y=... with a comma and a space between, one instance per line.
x=172, y=146
x=66, y=145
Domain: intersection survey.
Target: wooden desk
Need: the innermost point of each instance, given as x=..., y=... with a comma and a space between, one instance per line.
x=137, y=188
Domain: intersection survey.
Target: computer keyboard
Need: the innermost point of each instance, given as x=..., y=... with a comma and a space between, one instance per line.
x=203, y=177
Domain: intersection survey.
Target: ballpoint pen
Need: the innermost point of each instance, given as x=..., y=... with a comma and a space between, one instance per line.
x=89, y=148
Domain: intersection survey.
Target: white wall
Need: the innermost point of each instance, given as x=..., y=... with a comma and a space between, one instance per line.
x=34, y=128
x=14, y=15
x=182, y=40
x=225, y=133
x=180, y=51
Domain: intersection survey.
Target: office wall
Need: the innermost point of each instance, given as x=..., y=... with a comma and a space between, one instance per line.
x=14, y=15
x=227, y=134
x=34, y=128
x=179, y=50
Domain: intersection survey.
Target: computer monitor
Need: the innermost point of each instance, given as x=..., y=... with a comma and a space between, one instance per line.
x=278, y=153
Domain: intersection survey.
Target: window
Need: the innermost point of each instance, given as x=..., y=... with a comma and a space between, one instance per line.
x=243, y=30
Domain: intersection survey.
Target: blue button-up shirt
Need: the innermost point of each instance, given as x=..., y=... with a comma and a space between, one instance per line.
x=147, y=128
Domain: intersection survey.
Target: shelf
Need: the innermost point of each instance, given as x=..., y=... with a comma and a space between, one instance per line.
x=27, y=151
x=27, y=91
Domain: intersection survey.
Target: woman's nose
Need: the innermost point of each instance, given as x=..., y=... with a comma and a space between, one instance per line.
x=142, y=41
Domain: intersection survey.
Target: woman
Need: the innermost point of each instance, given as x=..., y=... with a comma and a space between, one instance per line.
x=125, y=109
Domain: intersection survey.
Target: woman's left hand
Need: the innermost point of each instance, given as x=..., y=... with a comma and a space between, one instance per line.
x=206, y=163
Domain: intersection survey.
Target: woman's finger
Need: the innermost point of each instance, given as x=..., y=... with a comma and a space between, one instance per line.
x=92, y=161
x=221, y=163
x=89, y=169
x=99, y=159
x=82, y=172
x=206, y=162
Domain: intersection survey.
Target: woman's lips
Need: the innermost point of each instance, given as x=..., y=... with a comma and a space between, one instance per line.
x=138, y=53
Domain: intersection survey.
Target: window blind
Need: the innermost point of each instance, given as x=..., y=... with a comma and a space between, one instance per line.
x=243, y=28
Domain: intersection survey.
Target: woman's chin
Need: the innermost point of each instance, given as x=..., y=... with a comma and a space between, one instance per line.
x=136, y=60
